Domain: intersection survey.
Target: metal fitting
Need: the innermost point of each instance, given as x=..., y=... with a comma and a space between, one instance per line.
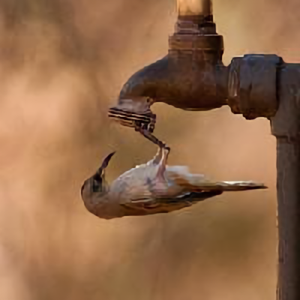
x=253, y=85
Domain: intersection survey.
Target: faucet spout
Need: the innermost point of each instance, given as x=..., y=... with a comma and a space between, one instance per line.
x=181, y=79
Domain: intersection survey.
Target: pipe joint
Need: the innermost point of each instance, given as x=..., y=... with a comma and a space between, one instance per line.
x=253, y=83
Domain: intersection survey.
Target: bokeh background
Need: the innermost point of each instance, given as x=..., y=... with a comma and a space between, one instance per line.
x=62, y=64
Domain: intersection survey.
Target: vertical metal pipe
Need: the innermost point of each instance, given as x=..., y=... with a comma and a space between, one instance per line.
x=194, y=7
x=207, y=8
x=288, y=164
x=286, y=128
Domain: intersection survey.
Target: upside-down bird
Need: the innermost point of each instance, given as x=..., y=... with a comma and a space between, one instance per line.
x=152, y=188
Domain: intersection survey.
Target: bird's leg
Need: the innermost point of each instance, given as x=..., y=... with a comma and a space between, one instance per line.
x=163, y=162
x=148, y=135
x=160, y=184
x=158, y=156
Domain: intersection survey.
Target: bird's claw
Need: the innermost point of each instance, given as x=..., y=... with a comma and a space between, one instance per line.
x=167, y=148
x=153, y=139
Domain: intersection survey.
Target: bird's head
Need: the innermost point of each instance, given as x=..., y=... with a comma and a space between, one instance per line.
x=97, y=183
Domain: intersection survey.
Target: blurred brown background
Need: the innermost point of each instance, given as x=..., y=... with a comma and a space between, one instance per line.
x=62, y=64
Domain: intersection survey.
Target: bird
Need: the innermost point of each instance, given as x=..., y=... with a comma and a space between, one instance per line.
x=152, y=188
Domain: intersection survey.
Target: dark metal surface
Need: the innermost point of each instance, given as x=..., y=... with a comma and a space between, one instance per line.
x=252, y=85
x=181, y=80
x=286, y=128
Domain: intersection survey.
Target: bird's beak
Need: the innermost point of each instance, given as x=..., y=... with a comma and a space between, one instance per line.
x=98, y=180
x=105, y=163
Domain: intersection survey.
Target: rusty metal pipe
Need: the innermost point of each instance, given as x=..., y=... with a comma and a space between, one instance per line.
x=286, y=128
x=194, y=8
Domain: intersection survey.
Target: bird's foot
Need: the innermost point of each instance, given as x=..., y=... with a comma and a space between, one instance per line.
x=153, y=139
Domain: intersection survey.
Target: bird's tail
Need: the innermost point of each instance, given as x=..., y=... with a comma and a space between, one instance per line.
x=199, y=183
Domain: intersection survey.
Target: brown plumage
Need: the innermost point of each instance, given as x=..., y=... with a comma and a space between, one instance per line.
x=152, y=188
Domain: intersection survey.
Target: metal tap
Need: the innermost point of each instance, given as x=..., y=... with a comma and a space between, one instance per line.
x=191, y=77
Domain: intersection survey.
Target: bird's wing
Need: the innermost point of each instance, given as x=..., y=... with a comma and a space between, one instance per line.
x=144, y=190
x=193, y=197
x=140, y=199
x=135, y=193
